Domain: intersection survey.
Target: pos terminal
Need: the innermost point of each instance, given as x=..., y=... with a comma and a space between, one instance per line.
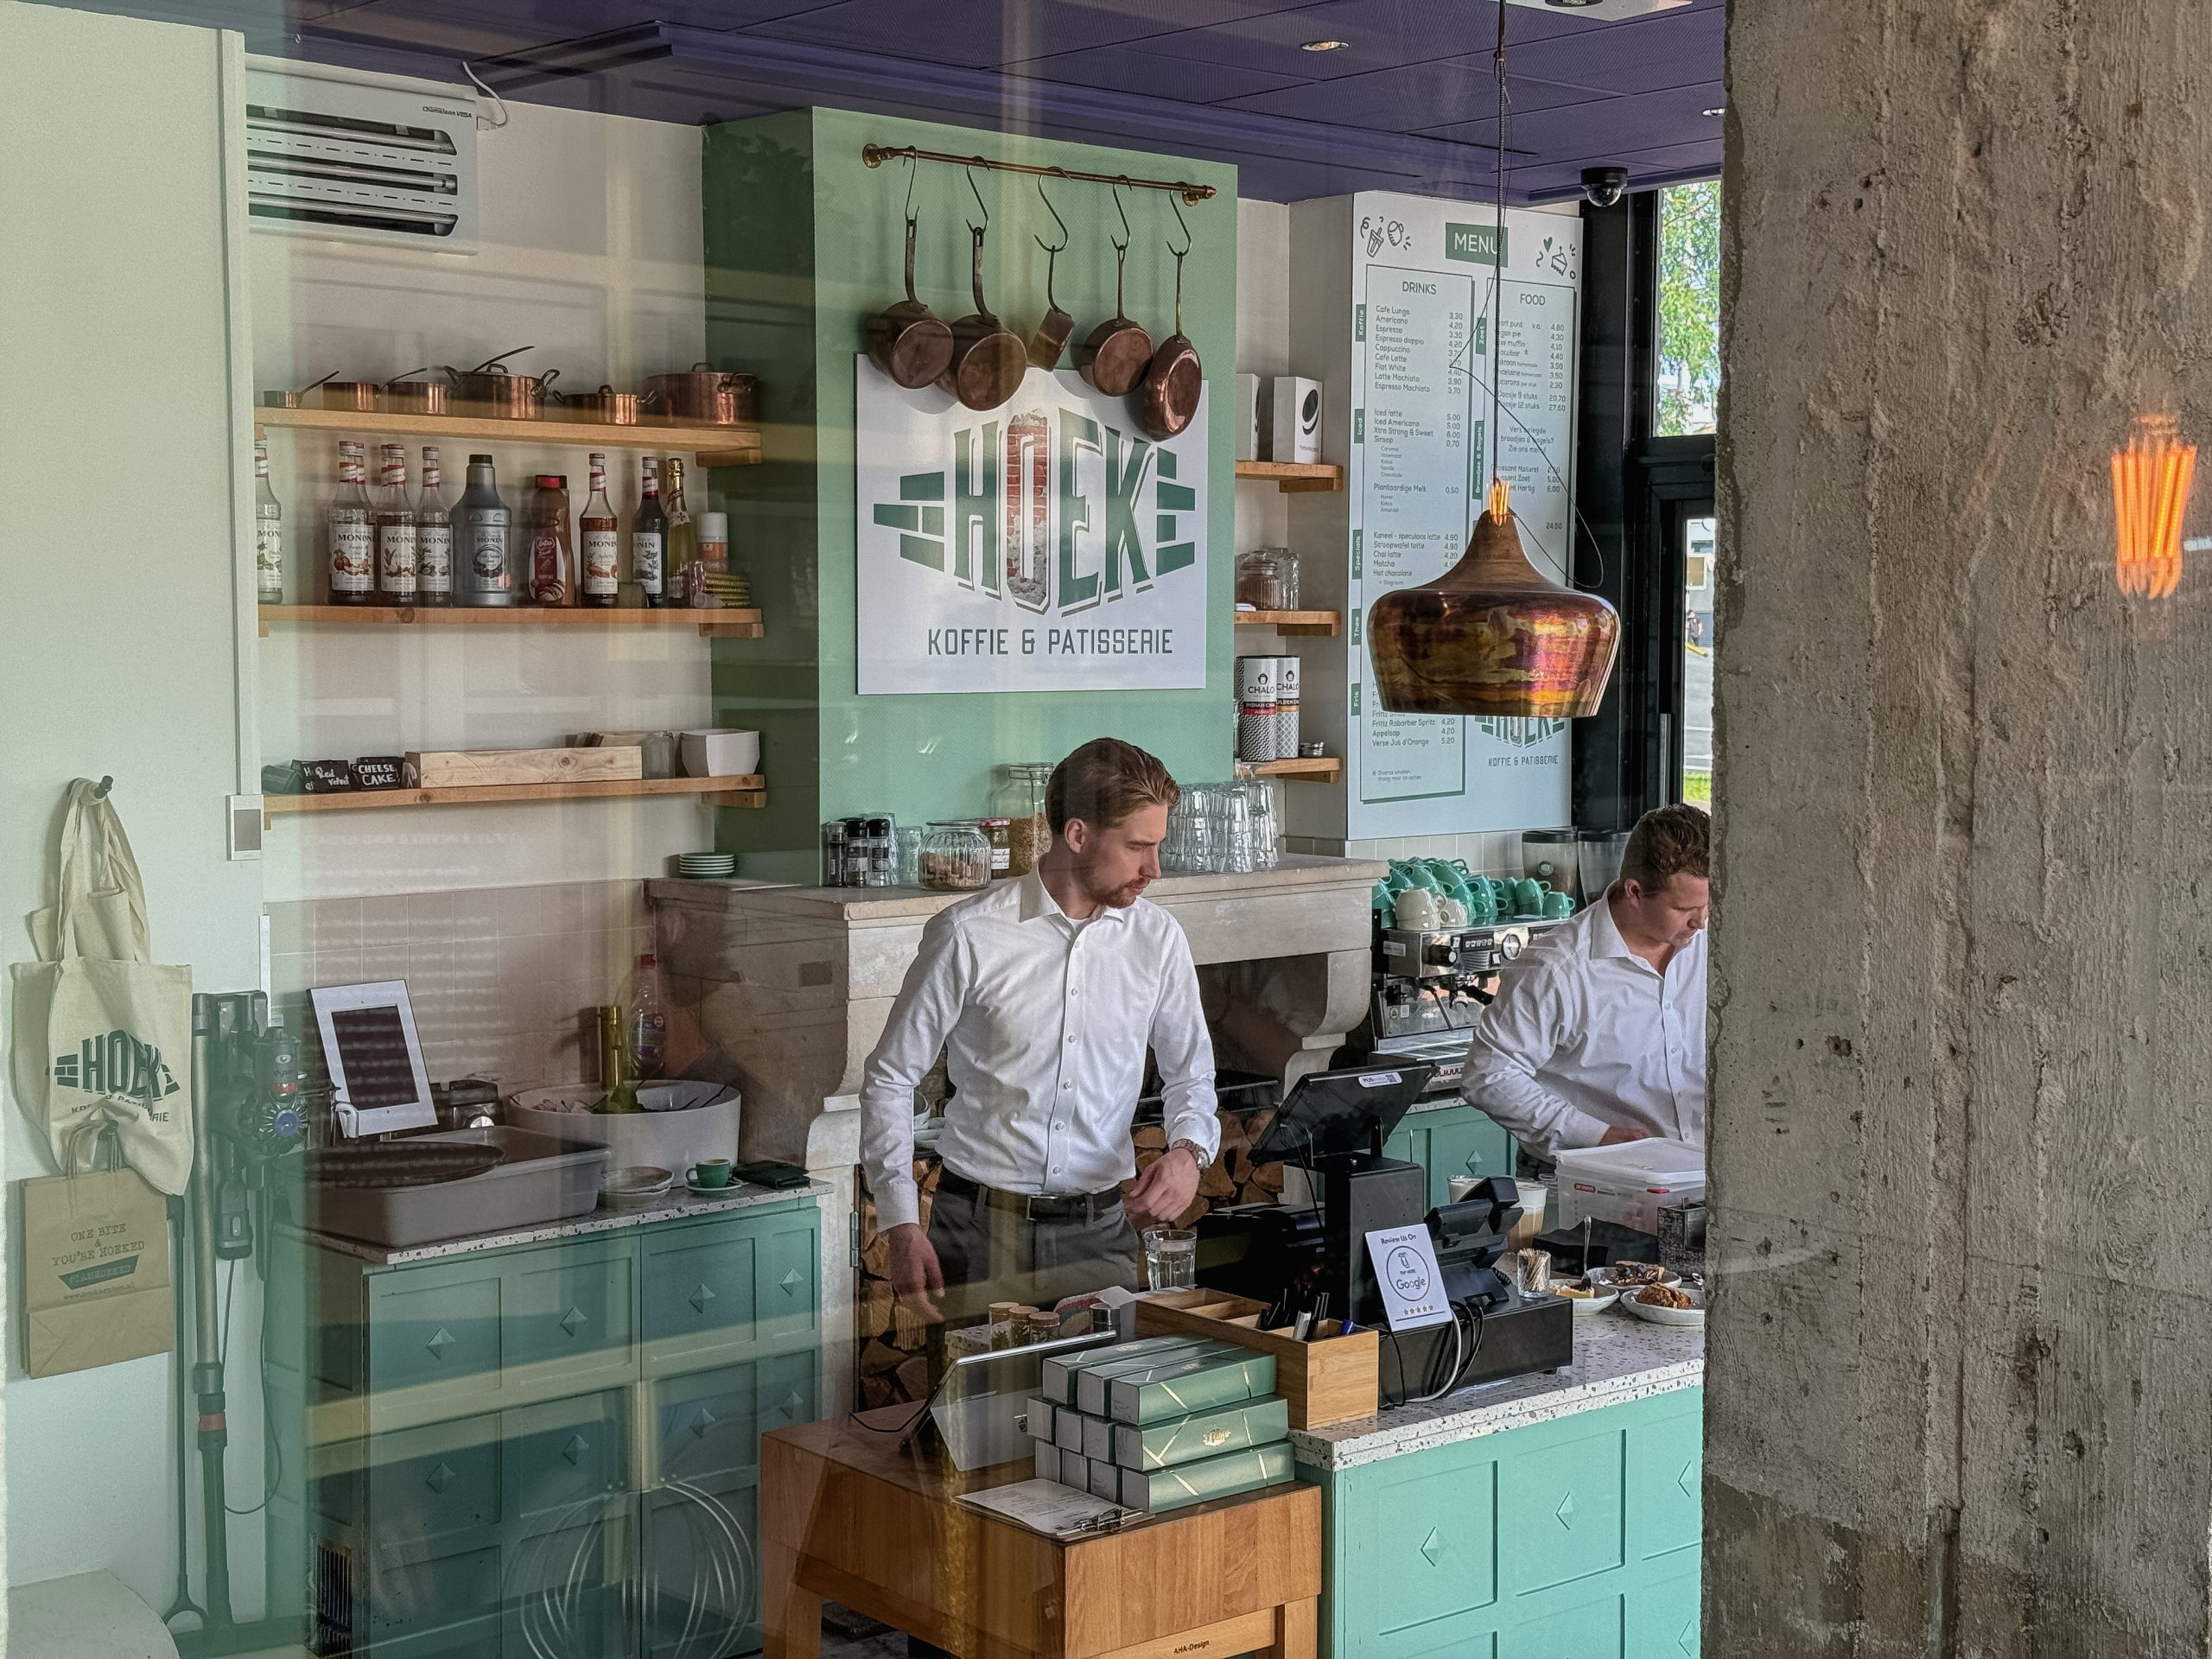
x=1290, y=1257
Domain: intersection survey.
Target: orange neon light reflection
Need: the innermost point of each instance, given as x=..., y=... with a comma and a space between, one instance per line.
x=1501, y=499
x=2150, y=480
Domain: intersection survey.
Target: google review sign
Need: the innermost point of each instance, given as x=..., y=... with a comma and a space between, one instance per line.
x=1044, y=545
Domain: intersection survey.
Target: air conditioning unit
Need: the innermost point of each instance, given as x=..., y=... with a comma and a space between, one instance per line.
x=372, y=158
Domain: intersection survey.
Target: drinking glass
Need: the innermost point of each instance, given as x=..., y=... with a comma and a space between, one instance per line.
x=1171, y=1258
x=1237, y=830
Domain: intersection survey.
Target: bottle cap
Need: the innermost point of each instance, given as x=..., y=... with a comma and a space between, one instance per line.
x=646, y=961
x=479, y=460
x=714, y=527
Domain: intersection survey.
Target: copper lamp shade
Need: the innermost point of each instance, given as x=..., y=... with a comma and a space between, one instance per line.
x=1493, y=637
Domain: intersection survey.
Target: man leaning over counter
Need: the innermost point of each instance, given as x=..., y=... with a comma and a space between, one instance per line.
x=1598, y=1034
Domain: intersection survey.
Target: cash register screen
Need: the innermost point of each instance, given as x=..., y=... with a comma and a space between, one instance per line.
x=1331, y=1113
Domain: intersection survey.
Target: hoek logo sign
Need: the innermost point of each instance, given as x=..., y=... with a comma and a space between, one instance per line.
x=1518, y=732
x=1008, y=514
x=1048, y=544
x=118, y=1067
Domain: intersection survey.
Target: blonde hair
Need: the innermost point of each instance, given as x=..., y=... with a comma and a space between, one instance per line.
x=1104, y=781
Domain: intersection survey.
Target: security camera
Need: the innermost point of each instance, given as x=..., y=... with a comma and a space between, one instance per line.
x=1603, y=185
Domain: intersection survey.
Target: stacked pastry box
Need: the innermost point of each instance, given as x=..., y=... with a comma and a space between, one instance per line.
x=1160, y=1423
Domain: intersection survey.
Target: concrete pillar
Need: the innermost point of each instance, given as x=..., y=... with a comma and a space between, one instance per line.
x=1959, y=1390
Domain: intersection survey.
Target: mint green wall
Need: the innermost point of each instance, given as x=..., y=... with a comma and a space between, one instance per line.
x=792, y=519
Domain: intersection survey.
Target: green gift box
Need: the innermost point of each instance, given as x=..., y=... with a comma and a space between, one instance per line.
x=1105, y=1480
x=1092, y=1382
x=1057, y=1372
x=1225, y=1378
x=1099, y=1439
x=1208, y=1434
x=1154, y=1490
x=1048, y=1460
x=1037, y=1420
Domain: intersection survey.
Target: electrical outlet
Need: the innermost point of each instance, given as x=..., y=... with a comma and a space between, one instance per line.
x=245, y=825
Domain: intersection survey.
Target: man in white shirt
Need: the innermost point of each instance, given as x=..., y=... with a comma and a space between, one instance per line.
x=1598, y=1034
x=1043, y=993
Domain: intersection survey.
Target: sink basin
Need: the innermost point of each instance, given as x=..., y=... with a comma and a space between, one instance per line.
x=541, y=1181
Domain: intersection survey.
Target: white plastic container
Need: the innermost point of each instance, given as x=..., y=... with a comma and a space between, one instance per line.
x=682, y=1123
x=721, y=753
x=1629, y=1185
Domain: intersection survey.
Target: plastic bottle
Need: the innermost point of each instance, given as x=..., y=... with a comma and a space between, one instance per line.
x=645, y=1026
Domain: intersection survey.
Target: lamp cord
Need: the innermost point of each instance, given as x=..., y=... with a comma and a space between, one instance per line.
x=1498, y=261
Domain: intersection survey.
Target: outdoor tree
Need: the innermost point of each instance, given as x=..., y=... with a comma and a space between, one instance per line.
x=1689, y=308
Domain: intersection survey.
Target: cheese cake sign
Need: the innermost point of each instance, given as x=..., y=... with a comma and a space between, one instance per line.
x=1045, y=545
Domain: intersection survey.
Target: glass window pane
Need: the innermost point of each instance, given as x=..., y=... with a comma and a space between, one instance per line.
x=1697, y=660
x=1689, y=309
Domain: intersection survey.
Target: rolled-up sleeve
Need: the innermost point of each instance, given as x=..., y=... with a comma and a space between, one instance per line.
x=1185, y=1052
x=929, y=1004
x=1514, y=1041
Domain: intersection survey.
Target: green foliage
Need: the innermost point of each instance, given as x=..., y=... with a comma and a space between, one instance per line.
x=1689, y=308
x=1697, y=788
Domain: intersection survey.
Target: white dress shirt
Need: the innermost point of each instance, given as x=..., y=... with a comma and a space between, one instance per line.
x=1586, y=1036
x=1044, y=1023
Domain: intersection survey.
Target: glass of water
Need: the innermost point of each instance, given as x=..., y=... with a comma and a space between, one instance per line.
x=1171, y=1258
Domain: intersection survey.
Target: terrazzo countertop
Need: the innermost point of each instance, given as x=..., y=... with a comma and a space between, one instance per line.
x=675, y=1205
x=1617, y=1357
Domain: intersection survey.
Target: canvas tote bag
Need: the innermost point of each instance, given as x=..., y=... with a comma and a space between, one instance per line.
x=103, y=1033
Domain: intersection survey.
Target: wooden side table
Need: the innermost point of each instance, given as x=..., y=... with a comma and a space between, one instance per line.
x=847, y=1516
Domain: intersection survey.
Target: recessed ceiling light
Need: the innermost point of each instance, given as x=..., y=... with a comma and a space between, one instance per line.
x=1325, y=46
x=1717, y=109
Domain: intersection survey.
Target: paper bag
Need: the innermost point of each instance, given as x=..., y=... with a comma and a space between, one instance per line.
x=96, y=1271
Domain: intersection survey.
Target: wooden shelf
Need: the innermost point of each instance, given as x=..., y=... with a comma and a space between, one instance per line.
x=1324, y=623
x=710, y=446
x=727, y=624
x=748, y=791
x=1294, y=477
x=1320, y=769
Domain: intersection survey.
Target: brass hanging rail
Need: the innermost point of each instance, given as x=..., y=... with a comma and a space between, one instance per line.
x=877, y=155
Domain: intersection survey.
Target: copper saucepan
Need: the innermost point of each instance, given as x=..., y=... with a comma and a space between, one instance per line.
x=1051, y=336
x=906, y=339
x=988, y=358
x=1116, y=354
x=607, y=407
x=361, y=396
x=405, y=395
x=490, y=388
x=294, y=399
x=707, y=397
x=1175, y=381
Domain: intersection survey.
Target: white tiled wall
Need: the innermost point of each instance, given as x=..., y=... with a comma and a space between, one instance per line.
x=502, y=980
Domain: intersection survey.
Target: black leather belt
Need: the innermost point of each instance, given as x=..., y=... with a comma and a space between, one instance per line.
x=1034, y=1206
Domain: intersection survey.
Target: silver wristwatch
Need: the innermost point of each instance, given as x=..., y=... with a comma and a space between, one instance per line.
x=1199, y=1156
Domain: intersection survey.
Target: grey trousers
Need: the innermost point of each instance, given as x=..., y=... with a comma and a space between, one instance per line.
x=990, y=1252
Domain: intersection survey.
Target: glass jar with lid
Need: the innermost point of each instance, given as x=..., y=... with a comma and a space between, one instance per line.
x=1020, y=798
x=955, y=856
x=999, y=833
x=1263, y=580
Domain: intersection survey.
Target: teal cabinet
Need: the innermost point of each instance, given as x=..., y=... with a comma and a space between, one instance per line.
x=1572, y=1539
x=547, y=1448
x=1451, y=1141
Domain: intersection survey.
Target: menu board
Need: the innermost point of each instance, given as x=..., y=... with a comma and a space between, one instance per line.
x=1426, y=283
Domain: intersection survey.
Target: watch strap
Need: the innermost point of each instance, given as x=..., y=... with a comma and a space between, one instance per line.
x=1199, y=1156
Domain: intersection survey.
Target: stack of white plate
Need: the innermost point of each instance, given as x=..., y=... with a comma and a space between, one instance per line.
x=706, y=866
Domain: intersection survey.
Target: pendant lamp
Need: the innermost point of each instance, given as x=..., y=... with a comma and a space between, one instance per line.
x=1493, y=636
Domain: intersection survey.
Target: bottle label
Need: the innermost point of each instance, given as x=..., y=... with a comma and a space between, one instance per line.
x=487, y=554
x=602, y=562
x=548, y=585
x=433, y=557
x=396, y=560
x=269, y=554
x=352, y=556
x=645, y=554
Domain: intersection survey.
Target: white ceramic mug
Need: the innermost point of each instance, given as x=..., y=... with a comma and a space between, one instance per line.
x=1417, y=908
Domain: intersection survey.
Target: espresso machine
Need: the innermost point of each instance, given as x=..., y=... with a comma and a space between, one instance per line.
x=1429, y=985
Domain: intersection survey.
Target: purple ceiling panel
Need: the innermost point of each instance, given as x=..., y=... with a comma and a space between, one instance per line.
x=1611, y=125
x=526, y=23
x=1646, y=54
x=1376, y=33
x=1390, y=100
x=1191, y=79
x=989, y=33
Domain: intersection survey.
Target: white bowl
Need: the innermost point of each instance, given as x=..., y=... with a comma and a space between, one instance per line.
x=701, y=1121
x=1587, y=1306
x=1667, y=1315
x=721, y=752
x=1602, y=1279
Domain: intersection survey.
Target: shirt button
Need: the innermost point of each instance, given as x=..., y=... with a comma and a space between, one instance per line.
x=1071, y=1037
x=1062, y=1124
x=1059, y=1169
x=1070, y=1084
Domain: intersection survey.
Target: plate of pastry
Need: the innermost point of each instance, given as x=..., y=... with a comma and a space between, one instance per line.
x=1588, y=1299
x=1665, y=1304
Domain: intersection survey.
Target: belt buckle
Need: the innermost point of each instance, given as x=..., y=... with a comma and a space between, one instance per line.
x=1057, y=1207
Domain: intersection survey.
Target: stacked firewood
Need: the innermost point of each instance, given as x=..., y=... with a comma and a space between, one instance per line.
x=893, y=1340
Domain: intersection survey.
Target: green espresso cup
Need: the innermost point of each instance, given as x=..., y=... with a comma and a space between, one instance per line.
x=1528, y=896
x=1557, y=906
x=711, y=1172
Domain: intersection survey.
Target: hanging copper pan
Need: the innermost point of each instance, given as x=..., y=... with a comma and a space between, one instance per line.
x=1051, y=337
x=1175, y=381
x=988, y=358
x=906, y=339
x=405, y=395
x=1115, y=356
